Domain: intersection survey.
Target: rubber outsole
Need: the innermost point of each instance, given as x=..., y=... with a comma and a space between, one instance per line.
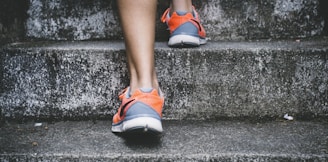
x=140, y=124
x=185, y=41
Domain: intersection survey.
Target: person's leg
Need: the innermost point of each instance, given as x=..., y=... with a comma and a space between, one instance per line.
x=142, y=101
x=138, y=24
x=181, y=5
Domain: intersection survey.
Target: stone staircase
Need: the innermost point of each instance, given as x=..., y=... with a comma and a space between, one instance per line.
x=62, y=64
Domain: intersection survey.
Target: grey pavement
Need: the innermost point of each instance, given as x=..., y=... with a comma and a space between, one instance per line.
x=277, y=140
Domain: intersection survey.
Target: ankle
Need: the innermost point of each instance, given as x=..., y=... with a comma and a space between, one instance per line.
x=181, y=6
x=180, y=12
x=143, y=88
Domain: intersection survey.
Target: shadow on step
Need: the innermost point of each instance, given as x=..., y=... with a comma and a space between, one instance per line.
x=141, y=139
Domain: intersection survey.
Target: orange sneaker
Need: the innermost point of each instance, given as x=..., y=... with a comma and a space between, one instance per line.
x=185, y=29
x=141, y=111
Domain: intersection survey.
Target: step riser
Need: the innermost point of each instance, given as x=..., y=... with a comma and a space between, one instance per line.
x=212, y=83
x=223, y=20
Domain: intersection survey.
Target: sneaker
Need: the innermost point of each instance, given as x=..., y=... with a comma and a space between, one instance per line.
x=185, y=29
x=139, y=112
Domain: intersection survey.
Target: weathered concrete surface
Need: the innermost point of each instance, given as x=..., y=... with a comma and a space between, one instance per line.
x=64, y=79
x=181, y=141
x=218, y=80
x=223, y=19
x=68, y=19
x=253, y=19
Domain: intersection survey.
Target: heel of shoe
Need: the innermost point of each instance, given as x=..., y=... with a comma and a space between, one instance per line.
x=143, y=124
x=184, y=40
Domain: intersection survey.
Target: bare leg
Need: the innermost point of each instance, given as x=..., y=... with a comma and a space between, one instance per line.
x=138, y=24
x=181, y=5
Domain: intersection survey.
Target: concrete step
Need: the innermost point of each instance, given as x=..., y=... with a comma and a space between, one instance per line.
x=181, y=141
x=223, y=20
x=81, y=80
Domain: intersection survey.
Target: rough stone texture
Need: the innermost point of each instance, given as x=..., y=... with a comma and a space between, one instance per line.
x=68, y=19
x=218, y=80
x=223, y=19
x=181, y=141
x=253, y=19
x=58, y=80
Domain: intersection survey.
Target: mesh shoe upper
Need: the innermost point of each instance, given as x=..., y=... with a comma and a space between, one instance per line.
x=139, y=104
x=175, y=21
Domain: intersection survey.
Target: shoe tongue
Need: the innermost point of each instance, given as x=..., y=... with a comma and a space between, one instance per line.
x=146, y=90
x=181, y=13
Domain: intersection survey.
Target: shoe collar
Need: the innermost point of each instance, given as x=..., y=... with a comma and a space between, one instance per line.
x=166, y=15
x=127, y=92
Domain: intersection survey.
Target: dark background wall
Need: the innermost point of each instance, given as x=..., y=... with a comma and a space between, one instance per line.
x=323, y=10
x=13, y=15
